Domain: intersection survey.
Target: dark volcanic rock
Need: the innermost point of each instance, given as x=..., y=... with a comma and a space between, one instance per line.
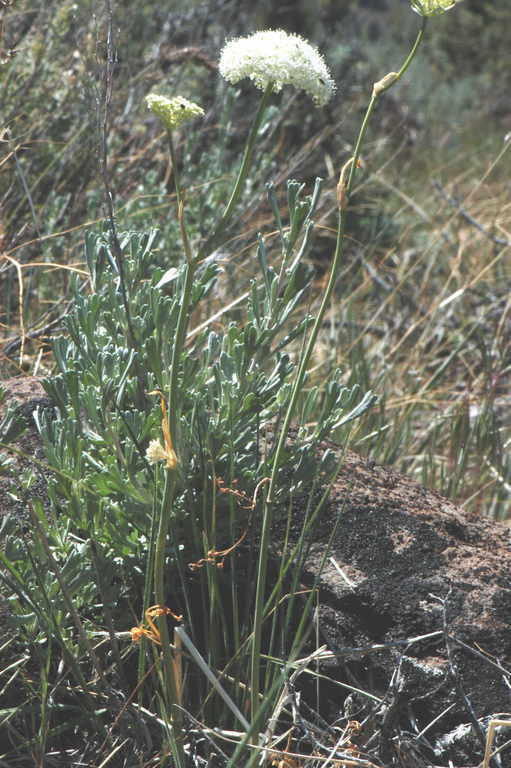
x=405, y=563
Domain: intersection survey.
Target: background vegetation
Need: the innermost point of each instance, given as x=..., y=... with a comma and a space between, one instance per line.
x=421, y=314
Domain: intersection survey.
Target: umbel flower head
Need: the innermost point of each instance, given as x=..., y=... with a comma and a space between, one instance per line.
x=432, y=7
x=277, y=58
x=156, y=452
x=173, y=112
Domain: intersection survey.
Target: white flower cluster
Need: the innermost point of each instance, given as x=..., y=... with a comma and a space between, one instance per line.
x=156, y=452
x=173, y=112
x=432, y=7
x=277, y=58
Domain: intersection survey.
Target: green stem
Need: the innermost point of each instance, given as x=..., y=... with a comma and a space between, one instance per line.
x=175, y=169
x=374, y=98
x=170, y=684
x=174, y=399
x=246, y=163
x=168, y=498
x=298, y=384
x=171, y=692
x=174, y=405
x=182, y=324
x=160, y=594
x=247, y=156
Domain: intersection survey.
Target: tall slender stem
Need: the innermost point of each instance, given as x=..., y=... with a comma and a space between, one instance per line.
x=171, y=685
x=247, y=156
x=377, y=92
x=300, y=378
x=173, y=392
x=175, y=168
x=165, y=513
x=212, y=241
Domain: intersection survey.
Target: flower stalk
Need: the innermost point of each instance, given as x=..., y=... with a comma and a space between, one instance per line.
x=246, y=163
x=344, y=195
x=171, y=685
x=172, y=112
x=170, y=422
x=247, y=156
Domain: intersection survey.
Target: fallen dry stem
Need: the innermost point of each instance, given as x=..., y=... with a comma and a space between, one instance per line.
x=488, y=754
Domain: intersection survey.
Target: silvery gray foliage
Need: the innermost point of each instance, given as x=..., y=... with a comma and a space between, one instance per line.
x=232, y=382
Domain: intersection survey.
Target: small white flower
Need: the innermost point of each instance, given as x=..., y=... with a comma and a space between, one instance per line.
x=155, y=452
x=173, y=112
x=276, y=57
x=432, y=7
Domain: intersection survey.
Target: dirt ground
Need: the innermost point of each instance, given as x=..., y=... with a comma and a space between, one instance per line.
x=413, y=572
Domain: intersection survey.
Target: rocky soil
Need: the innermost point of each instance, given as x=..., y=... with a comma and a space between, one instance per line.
x=412, y=572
